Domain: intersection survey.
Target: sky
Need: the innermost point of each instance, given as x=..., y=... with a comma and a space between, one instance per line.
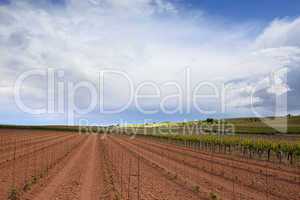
x=136, y=61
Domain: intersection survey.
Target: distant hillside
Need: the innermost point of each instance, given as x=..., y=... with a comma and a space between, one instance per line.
x=249, y=125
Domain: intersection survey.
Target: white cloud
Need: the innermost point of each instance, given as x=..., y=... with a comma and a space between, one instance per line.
x=149, y=40
x=281, y=32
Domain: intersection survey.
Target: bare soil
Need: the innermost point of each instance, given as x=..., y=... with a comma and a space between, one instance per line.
x=51, y=165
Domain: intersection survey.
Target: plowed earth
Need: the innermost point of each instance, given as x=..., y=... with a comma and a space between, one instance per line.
x=60, y=165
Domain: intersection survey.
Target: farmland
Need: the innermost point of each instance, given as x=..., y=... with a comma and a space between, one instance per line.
x=117, y=163
x=287, y=126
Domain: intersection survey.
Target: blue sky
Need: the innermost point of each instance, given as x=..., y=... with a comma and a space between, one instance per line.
x=265, y=10
x=245, y=53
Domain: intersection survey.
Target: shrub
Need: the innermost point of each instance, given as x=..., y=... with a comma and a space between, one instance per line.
x=13, y=194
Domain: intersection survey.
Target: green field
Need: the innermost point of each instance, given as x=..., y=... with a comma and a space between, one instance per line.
x=265, y=126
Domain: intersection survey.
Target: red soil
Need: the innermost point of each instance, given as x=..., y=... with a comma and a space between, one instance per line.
x=61, y=165
x=230, y=179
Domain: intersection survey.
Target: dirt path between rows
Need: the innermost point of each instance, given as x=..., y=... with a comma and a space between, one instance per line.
x=280, y=183
x=206, y=181
x=88, y=181
x=77, y=180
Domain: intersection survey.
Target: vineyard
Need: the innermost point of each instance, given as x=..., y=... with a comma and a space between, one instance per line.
x=280, y=152
x=277, y=149
x=48, y=164
x=203, y=173
x=27, y=156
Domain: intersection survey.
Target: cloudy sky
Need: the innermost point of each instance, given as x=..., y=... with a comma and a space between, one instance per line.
x=114, y=61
